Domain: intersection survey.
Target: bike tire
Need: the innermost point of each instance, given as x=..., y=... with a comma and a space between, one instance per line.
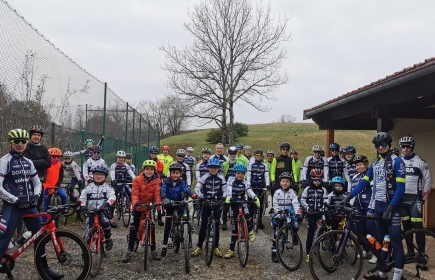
x=96, y=254
x=196, y=218
x=419, y=257
x=118, y=206
x=82, y=220
x=256, y=219
x=265, y=203
x=243, y=242
x=290, y=255
x=325, y=263
x=210, y=241
x=147, y=245
x=186, y=244
x=126, y=215
x=75, y=261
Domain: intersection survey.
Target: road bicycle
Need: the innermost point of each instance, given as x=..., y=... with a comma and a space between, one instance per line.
x=123, y=204
x=196, y=216
x=65, y=251
x=330, y=251
x=288, y=244
x=96, y=240
x=256, y=215
x=210, y=233
x=69, y=200
x=242, y=233
x=55, y=201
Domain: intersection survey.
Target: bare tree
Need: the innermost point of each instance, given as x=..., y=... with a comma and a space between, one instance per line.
x=175, y=114
x=286, y=119
x=235, y=58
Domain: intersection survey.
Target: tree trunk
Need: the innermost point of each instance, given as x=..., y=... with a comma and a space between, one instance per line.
x=231, y=124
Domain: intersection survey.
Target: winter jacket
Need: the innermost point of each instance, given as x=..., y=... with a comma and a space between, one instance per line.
x=93, y=196
x=54, y=176
x=144, y=191
x=174, y=192
x=40, y=157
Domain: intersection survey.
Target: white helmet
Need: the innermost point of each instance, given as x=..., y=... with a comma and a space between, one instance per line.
x=67, y=154
x=181, y=152
x=190, y=149
x=121, y=154
x=317, y=148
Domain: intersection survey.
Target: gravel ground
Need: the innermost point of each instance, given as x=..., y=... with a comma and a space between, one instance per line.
x=259, y=264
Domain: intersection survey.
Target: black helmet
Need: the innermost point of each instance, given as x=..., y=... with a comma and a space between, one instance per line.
x=258, y=152
x=101, y=168
x=284, y=145
x=360, y=158
x=128, y=156
x=97, y=149
x=176, y=166
x=382, y=137
x=286, y=175
x=36, y=128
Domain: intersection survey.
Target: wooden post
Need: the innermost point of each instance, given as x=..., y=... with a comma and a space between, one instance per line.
x=329, y=140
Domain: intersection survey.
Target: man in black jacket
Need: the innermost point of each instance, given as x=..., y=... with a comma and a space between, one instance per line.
x=38, y=154
x=283, y=164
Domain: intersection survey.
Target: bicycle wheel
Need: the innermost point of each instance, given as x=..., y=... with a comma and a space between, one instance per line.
x=265, y=202
x=289, y=248
x=186, y=245
x=118, y=207
x=96, y=249
x=82, y=220
x=146, y=245
x=326, y=263
x=196, y=218
x=320, y=230
x=243, y=242
x=209, y=241
x=74, y=260
x=126, y=214
x=421, y=246
x=55, y=201
x=256, y=219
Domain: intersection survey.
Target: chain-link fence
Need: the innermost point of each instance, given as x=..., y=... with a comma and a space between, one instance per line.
x=39, y=84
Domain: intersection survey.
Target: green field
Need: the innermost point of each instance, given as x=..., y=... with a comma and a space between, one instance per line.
x=301, y=136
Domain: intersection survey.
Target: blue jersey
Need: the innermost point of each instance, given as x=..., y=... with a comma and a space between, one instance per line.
x=212, y=187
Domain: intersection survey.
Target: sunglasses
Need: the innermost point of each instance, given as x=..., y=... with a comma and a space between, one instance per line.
x=89, y=143
x=381, y=144
x=19, y=141
x=317, y=152
x=334, y=151
x=317, y=180
x=405, y=146
x=284, y=150
x=97, y=152
x=180, y=156
x=233, y=154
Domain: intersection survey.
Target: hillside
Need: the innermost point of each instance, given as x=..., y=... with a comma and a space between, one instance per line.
x=301, y=136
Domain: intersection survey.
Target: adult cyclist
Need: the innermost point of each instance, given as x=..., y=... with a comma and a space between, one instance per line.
x=336, y=167
x=87, y=152
x=316, y=161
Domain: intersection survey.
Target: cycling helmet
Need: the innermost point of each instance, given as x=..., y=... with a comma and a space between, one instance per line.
x=36, y=128
x=232, y=150
x=206, y=150
x=68, y=154
x=214, y=162
x=247, y=147
x=359, y=159
x=334, y=146
x=128, y=156
x=239, y=146
x=154, y=150
x=181, y=152
x=284, y=145
x=407, y=140
x=343, y=149
x=338, y=179
x=258, y=152
x=165, y=148
x=120, y=154
x=294, y=152
x=18, y=134
x=239, y=167
x=350, y=149
x=190, y=149
x=175, y=166
x=270, y=152
x=89, y=141
x=316, y=148
x=149, y=163
x=101, y=168
x=382, y=137
x=198, y=157
x=286, y=175
x=97, y=149
x=395, y=151
x=55, y=152
x=316, y=173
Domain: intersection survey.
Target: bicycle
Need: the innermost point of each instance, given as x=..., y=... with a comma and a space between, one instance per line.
x=256, y=211
x=336, y=264
x=55, y=201
x=285, y=241
x=69, y=192
x=69, y=255
x=242, y=233
x=181, y=233
x=144, y=232
x=196, y=216
x=210, y=235
x=123, y=204
x=96, y=240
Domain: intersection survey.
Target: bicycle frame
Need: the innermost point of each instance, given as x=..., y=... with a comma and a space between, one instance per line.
x=99, y=228
x=147, y=216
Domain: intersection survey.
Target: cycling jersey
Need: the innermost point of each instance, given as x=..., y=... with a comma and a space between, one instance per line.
x=119, y=171
x=237, y=189
x=350, y=168
x=272, y=168
x=311, y=163
x=362, y=199
x=73, y=169
x=258, y=175
x=186, y=174
x=201, y=170
x=190, y=160
x=334, y=197
x=314, y=198
x=93, y=196
x=128, y=178
x=337, y=167
x=229, y=169
x=221, y=158
x=211, y=187
x=89, y=165
x=286, y=199
x=418, y=177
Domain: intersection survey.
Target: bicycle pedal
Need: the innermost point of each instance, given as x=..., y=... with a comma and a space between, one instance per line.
x=170, y=246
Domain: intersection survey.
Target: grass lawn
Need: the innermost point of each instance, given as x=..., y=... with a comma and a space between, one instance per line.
x=301, y=136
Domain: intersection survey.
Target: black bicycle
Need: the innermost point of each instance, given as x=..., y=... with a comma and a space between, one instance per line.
x=210, y=235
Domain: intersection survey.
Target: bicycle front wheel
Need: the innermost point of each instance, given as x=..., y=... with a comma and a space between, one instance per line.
x=97, y=252
x=146, y=245
x=74, y=260
x=209, y=241
x=289, y=248
x=419, y=245
x=326, y=262
x=256, y=219
x=186, y=244
x=243, y=242
x=265, y=203
x=196, y=218
x=126, y=213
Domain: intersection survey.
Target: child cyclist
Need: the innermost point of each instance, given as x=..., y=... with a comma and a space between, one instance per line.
x=91, y=163
x=237, y=187
x=313, y=199
x=145, y=190
x=334, y=197
x=211, y=187
x=285, y=198
x=172, y=189
x=53, y=181
x=74, y=171
x=128, y=160
x=98, y=195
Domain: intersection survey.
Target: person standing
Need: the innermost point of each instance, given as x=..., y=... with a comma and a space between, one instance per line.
x=166, y=159
x=296, y=168
x=283, y=164
x=219, y=153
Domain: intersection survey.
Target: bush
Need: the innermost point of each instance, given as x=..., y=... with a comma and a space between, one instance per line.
x=215, y=136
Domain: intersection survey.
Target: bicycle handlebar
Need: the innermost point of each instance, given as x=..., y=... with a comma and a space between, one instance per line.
x=53, y=210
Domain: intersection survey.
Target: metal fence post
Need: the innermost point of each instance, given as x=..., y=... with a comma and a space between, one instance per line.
x=126, y=129
x=104, y=115
x=53, y=128
x=83, y=141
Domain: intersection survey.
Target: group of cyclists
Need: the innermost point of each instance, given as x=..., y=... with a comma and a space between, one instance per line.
x=393, y=188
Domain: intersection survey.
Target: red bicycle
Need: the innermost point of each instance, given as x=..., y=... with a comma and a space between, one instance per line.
x=68, y=255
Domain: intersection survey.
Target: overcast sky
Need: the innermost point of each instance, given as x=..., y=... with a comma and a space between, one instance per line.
x=335, y=47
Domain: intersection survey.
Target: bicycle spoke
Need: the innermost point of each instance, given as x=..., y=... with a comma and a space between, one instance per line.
x=289, y=249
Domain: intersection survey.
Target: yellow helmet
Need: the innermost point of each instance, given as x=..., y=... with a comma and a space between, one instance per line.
x=18, y=134
x=149, y=163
